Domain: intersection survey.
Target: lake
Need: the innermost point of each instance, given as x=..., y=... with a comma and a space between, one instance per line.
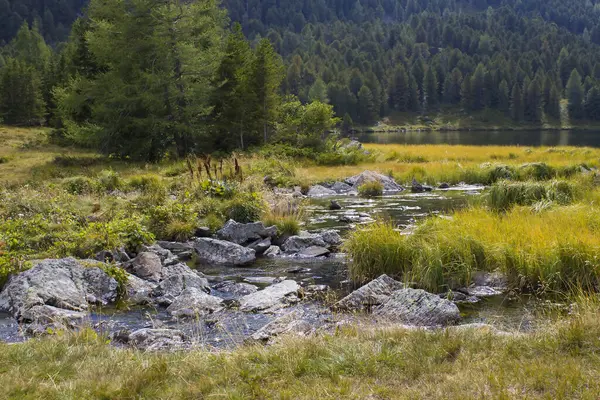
x=487, y=138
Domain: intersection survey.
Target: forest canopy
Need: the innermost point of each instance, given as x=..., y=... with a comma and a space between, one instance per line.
x=204, y=76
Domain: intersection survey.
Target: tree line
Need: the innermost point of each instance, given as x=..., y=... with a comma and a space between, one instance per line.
x=135, y=79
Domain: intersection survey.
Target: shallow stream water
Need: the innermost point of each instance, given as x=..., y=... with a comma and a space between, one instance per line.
x=232, y=327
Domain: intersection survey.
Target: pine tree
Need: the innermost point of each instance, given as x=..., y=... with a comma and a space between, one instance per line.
x=452, y=86
x=575, y=95
x=232, y=98
x=533, y=106
x=366, y=106
x=21, y=100
x=266, y=78
x=478, y=94
x=592, y=104
x=157, y=58
x=517, y=111
x=399, y=93
x=503, y=97
x=553, y=105
x=318, y=91
x=431, y=87
x=413, y=98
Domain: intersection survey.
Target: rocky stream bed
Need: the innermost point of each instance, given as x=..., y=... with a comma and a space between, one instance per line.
x=244, y=283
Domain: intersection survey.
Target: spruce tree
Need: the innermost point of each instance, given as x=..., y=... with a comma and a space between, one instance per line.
x=399, y=93
x=575, y=95
x=517, y=111
x=366, y=106
x=265, y=81
x=21, y=100
x=431, y=87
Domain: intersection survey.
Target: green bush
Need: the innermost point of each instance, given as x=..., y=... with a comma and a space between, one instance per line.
x=246, y=207
x=122, y=232
x=371, y=189
x=217, y=188
x=167, y=220
x=147, y=184
x=119, y=275
x=79, y=185
x=109, y=180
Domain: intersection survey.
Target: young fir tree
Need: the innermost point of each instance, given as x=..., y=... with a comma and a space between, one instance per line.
x=575, y=95
x=431, y=87
x=232, y=98
x=517, y=112
x=21, y=99
x=366, y=106
x=399, y=92
x=265, y=80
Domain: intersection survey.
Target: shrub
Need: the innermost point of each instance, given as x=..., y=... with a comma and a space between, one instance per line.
x=122, y=232
x=246, y=207
x=371, y=189
x=180, y=231
x=79, y=185
x=109, y=180
x=217, y=188
x=213, y=221
x=147, y=184
x=167, y=220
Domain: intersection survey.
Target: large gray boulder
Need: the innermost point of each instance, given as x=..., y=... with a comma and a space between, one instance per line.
x=176, y=279
x=342, y=188
x=320, y=191
x=213, y=251
x=194, y=303
x=245, y=233
x=147, y=265
x=177, y=248
x=373, y=294
x=272, y=298
x=46, y=315
x=296, y=244
x=389, y=185
x=418, y=307
x=293, y=323
x=235, y=289
x=139, y=291
x=331, y=237
x=62, y=283
x=158, y=339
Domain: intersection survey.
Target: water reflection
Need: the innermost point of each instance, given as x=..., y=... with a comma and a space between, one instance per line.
x=481, y=138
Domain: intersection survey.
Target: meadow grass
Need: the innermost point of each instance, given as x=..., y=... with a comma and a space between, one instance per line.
x=357, y=362
x=553, y=249
x=371, y=189
x=454, y=164
x=505, y=194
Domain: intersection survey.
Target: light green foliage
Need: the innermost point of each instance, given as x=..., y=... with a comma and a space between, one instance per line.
x=21, y=101
x=244, y=208
x=109, y=180
x=79, y=185
x=120, y=275
x=371, y=189
x=173, y=220
x=305, y=125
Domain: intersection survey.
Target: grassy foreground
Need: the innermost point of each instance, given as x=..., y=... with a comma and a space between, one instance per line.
x=560, y=362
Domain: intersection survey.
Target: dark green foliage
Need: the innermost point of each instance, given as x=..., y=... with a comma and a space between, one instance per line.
x=575, y=94
x=592, y=104
x=21, y=98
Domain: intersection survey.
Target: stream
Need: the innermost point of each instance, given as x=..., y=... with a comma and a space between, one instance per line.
x=230, y=327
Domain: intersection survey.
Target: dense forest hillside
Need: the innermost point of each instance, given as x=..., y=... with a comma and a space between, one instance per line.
x=527, y=61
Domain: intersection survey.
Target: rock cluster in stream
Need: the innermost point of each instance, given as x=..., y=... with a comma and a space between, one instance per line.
x=64, y=293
